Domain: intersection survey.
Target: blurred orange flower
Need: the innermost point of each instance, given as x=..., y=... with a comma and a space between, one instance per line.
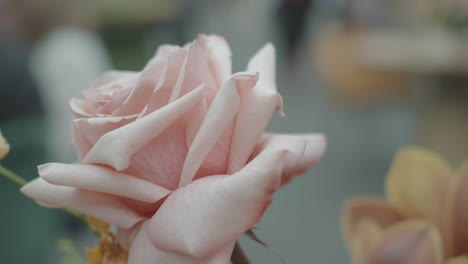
x=424, y=218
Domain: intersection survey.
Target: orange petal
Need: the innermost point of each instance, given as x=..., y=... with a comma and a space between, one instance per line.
x=457, y=215
x=418, y=182
x=4, y=147
x=409, y=242
x=458, y=260
x=376, y=209
x=367, y=235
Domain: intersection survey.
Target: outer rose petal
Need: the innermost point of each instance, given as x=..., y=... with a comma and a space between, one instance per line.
x=143, y=251
x=87, y=131
x=164, y=51
x=409, y=243
x=375, y=209
x=140, y=95
x=418, y=182
x=256, y=107
x=111, y=76
x=216, y=210
x=117, y=147
x=100, y=179
x=220, y=58
x=195, y=71
x=104, y=207
x=163, y=90
x=312, y=149
x=219, y=116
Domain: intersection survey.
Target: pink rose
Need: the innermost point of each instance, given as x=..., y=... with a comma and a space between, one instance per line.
x=175, y=156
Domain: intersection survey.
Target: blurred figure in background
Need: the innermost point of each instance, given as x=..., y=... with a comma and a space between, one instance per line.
x=48, y=53
x=66, y=60
x=22, y=123
x=293, y=16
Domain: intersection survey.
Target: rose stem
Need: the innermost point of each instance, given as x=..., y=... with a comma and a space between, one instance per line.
x=15, y=178
x=238, y=256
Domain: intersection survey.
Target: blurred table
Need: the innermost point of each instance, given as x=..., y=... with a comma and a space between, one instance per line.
x=433, y=56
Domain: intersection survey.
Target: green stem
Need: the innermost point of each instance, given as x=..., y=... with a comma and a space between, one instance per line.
x=18, y=180
x=12, y=176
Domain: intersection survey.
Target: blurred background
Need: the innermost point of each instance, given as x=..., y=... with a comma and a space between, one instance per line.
x=372, y=74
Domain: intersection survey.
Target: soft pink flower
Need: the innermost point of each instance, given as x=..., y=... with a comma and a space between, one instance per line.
x=176, y=155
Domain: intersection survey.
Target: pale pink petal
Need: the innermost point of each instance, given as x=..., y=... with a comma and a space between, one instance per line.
x=215, y=210
x=101, y=179
x=107, y=208
x=164, y=51
x=140, y=96
x=312, y=150
x=143, y=251
x=220, y=59
x=78, y=108
x=87, y=131
x=219, y=116
x=111, y=76
x=264, y=63
x=161, y=160
x=163, y=90
x=195, y=71
x=256, y=108
x=118, y=98
x=117, y=147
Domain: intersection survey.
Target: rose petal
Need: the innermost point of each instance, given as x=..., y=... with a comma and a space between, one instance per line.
x=170, y=73
x=87, y=131
x=78, y=108
x=256, y=107
x=116, y=147
x=220, y=59
x=418, y=182
x=264, y=63
x=111, y=76
x=195, y=71
x=215, y=210
x=219, y=116
x=140, y=95
x=101, y=206
x=409, y=243
x=100, y=179
x=143, y=251
x=312, y=147
x=457, y=215
x=368, y=234
x=375, y=209
x=161, y=160
x=163, y=52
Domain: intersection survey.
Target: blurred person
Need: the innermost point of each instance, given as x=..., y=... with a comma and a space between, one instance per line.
x=369, y=13
x=67, y=58
x=64, y=63
x=293, y=18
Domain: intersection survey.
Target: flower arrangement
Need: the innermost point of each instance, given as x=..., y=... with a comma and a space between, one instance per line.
x=173, y=161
